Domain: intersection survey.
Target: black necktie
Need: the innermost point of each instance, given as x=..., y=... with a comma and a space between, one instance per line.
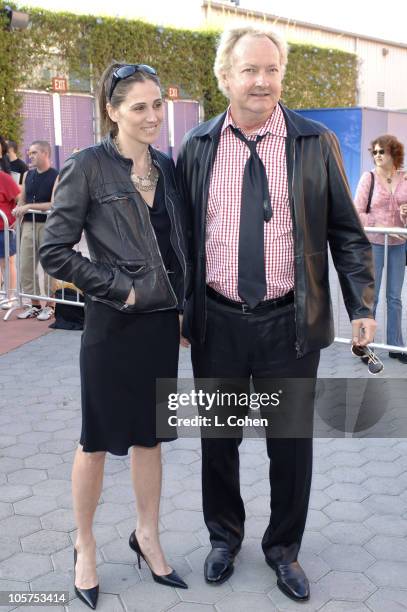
x=255, y=210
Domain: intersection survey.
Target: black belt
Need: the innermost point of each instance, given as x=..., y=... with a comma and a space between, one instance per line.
x=266, y=305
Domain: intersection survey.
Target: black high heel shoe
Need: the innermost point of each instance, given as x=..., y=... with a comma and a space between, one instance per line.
x=88, y=596
x=171, y=579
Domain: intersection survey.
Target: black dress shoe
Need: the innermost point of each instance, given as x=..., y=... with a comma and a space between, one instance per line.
x=88, y=596
x=291, y=579
x=218, y=565
x=171, y=579
x=400, y=356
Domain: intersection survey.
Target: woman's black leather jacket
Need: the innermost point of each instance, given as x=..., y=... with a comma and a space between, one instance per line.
x=95, y=194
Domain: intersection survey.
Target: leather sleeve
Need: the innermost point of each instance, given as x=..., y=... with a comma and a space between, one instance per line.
x=63, y=230
x=350, y=247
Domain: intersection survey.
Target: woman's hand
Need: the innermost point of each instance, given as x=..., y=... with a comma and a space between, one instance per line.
x=131, y=298
x=183, y=341
x=403, y=213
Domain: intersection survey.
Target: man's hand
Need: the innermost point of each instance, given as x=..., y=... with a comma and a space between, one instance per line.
x=363, y=331
x=19, y=211
x=183, y=341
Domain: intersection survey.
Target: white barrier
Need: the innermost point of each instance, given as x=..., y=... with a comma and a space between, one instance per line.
x=48, y=294
x=382, y=297
x=7, y=293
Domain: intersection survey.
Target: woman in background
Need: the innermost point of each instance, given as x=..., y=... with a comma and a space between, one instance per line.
x=9, y=191
x=389, y=193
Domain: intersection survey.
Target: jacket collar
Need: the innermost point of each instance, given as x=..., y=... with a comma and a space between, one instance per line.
x=112, y=151
x=296, y=125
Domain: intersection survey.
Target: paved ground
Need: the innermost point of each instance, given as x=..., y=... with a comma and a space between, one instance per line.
x=355, y=545
x=15, y=332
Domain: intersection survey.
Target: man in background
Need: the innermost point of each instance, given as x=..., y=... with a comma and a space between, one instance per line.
x=37, y=187
x=16, y=164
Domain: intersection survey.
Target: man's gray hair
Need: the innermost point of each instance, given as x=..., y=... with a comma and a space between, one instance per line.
x=228, y=41
x=43, y=145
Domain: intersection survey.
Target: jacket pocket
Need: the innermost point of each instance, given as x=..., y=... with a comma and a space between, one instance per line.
x=152, y=288
x=151, y=285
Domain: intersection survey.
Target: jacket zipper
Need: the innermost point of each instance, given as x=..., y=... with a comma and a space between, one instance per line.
x=159, y=252
x=297, y=344
x=176, y=232
x=180, y=250
x=115, y=198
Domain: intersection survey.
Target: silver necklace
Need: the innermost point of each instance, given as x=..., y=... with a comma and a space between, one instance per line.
x=143, y=183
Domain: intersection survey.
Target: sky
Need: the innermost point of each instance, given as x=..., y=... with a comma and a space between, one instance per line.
x=371, y=17
x=374, y=18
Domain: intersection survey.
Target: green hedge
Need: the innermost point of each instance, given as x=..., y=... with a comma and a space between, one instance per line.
x=81, y=46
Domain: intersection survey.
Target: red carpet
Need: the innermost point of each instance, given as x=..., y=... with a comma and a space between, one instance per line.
x=15, y=332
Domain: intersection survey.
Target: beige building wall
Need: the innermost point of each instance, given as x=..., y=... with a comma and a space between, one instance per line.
x=383, y=67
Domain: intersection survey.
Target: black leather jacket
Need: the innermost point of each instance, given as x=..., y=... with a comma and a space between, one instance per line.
x=322, y=211
x=95, y=193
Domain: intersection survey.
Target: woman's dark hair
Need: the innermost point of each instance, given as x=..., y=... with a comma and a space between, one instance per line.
x=119, y=92
x=4, y=161
x=391, y=145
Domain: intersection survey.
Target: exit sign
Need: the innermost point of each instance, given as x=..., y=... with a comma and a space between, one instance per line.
x=59, y=85
x=173, y=92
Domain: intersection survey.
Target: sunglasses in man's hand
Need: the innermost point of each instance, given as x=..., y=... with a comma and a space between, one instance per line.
x=374, y=365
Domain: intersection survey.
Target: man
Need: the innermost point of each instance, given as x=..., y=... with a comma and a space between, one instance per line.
x=16, y=164
x=36, y=194
x=266, y=192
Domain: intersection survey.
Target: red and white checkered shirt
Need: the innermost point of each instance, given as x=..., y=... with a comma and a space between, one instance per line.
x=223, y=216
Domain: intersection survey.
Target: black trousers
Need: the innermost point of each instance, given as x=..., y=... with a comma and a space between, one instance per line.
x=257, y=346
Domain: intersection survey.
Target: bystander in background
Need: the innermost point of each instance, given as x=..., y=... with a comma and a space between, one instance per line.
x=17, y=165
x=379, y=197
x=36, y=194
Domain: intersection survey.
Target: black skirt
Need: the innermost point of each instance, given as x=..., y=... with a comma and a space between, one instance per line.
x=121, y=357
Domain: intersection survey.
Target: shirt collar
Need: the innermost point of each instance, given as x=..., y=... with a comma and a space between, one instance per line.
x=274, y=125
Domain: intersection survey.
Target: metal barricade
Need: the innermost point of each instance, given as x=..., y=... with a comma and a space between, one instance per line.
x=5, y=288
x=49, y=285
x=386, y=231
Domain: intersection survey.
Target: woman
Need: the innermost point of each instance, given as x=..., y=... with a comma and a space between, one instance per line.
x=122, y=193
x=389, y=193
x=9, y=191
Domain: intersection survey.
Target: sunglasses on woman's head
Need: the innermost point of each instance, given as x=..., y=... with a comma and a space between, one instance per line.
x=378, y=152
x=124, y=72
